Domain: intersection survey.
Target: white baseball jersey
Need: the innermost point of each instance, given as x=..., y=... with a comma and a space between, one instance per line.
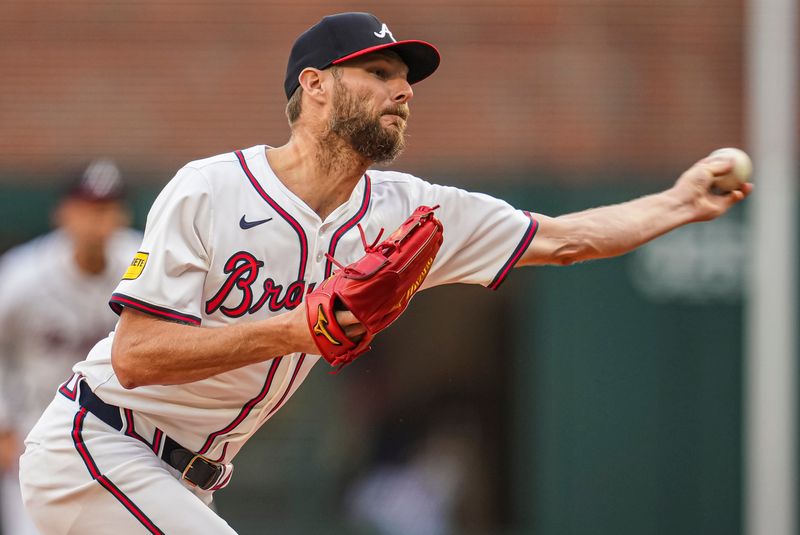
x=51, y=314
x=227, y=242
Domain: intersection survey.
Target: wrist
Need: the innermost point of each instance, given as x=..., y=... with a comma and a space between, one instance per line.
x=293, y=330
x=679, y=204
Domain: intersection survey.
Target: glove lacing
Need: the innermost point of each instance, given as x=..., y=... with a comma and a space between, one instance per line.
x=367, y=248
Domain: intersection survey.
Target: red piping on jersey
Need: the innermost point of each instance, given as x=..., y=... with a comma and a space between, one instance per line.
x=131, y=432
x=297, y=367
x=119, y=300
x=246, y=409
x=283, y=213
x=223, y=482
x=221, y=455
x=241, y=417
x=71, y=395
x=352, y=222
x=522, y=246
x=80, y=446
x=77, y=439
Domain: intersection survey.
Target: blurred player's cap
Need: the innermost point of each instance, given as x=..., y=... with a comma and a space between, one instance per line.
x=101, y=180
x=338, y=38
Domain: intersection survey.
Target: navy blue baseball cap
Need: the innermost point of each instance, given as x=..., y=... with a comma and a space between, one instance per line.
x=338, y=38
x=101, y=180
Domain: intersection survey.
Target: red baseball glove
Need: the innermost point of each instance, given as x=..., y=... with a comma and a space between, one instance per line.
x=376, y=288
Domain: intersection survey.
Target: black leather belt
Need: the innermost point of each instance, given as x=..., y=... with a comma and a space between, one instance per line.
x=195, y=468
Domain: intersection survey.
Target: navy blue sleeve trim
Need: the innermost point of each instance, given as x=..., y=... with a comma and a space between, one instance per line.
x=118, y=301
x=522, y=246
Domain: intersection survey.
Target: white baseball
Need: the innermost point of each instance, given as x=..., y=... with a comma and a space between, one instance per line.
x=742, y=169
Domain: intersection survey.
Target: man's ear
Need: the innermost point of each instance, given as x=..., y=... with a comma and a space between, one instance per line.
x=312, y=82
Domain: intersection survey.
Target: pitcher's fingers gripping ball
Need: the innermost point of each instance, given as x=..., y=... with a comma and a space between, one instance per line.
x=376, y=289
x=742, y=168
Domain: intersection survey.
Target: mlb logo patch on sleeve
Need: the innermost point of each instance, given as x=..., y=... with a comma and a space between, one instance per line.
x=137, y=266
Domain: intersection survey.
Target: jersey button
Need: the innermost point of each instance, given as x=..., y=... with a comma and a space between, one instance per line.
x=320, y=256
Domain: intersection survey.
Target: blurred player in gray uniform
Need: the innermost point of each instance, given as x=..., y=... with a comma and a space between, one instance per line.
x=54, y=294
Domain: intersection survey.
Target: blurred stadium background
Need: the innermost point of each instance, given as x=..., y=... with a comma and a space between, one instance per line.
x=604, y=398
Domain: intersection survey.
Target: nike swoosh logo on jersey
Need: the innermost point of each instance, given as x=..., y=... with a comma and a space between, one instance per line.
x=244, y=224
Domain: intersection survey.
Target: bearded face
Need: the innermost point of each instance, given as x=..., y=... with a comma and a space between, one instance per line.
x=356, y=124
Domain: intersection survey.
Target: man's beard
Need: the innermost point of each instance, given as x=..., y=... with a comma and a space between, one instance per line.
x=352, y=122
